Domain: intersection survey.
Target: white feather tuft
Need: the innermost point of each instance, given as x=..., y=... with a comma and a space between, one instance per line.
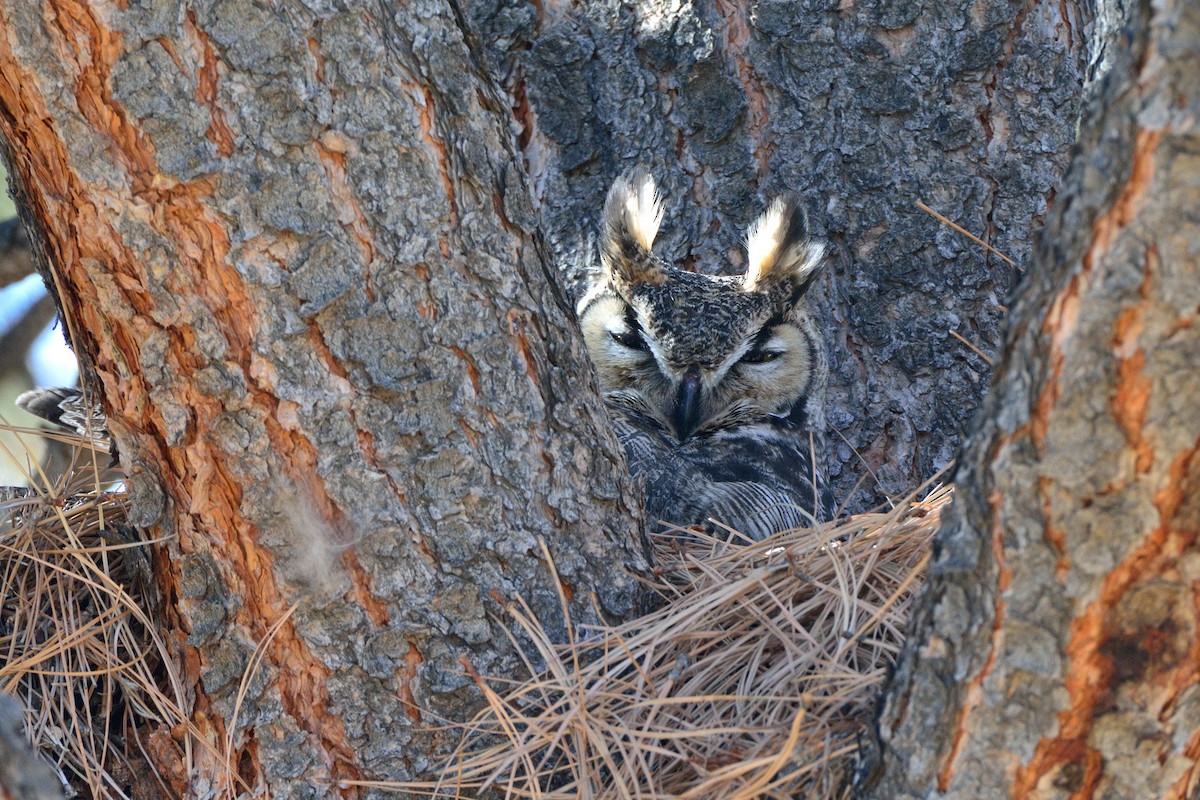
x=644, y=213
x=763, y=242
x=314, y=555
x=771, y=254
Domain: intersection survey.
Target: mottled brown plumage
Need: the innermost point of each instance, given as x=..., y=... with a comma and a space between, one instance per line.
x=69, y=409
x=715, y=383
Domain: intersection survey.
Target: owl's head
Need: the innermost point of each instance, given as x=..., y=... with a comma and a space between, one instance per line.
x=700, y=354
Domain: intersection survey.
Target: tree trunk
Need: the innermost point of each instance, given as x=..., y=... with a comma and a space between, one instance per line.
x=296, y=251
x=1057, y=651
x=864, y=108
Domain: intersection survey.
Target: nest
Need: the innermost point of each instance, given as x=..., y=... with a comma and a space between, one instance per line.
x=756, y=678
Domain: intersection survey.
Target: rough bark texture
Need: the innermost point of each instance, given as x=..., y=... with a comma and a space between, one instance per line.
x=1057, y=655
x=298, y=254
x=863, y=108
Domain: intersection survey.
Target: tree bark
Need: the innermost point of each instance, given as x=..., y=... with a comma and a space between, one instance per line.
x=864, y=108
x=295, y=249
x=1057, y=651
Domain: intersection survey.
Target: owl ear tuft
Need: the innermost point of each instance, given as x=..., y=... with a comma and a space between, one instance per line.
x=781, y=256
x=632, y=214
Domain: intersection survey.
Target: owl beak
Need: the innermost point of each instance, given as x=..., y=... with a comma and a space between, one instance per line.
x=687, y=404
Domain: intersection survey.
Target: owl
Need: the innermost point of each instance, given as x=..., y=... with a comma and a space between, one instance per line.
x=714, y=384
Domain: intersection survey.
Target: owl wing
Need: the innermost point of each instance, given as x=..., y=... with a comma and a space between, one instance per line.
x=754, y=509
x=68, y=409
x=758, y=480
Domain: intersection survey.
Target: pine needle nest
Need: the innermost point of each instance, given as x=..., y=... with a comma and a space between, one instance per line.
x=755, y=679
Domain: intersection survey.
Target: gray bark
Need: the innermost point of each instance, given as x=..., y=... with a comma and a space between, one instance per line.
x=1055, y=653
x=300, y=262
x=863, y=108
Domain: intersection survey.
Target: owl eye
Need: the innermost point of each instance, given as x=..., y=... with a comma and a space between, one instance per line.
x=760, y=356
x=631, y=339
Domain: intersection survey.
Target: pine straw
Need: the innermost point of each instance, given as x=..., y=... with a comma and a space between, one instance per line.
x=753, y=680
x=76, y=645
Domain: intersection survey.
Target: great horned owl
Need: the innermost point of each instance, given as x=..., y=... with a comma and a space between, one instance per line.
x=714, y=383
